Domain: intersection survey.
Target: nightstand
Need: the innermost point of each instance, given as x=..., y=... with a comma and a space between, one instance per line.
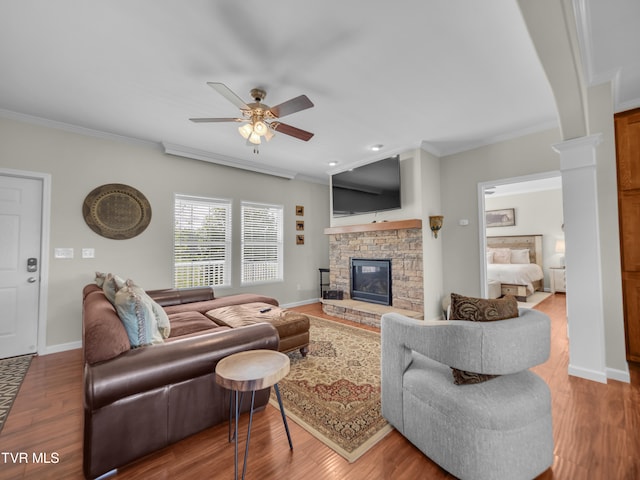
x=557, y=280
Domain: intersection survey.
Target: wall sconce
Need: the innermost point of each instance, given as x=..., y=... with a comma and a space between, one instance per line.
x=435, y=223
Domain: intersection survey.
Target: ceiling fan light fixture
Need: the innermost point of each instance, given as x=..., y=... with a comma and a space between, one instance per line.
x=269, y=134
x=254, y=138
x=260, y=127
x=245, y=130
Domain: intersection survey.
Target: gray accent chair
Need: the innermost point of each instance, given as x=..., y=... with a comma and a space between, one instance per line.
x=498, y=429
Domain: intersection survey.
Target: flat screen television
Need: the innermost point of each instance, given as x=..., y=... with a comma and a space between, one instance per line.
x=373, y=187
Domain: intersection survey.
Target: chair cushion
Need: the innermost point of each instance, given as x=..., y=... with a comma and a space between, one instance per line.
x=505, y=403
x=479, y=310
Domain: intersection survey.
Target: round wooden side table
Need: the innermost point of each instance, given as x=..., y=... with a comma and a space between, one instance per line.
x=247, y=372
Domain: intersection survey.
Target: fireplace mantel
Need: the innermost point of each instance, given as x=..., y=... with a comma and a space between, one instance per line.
x=374, y=227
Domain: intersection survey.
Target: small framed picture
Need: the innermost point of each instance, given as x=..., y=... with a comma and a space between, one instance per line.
x=501, y=218
x=299, y=210
x=299, y=239
x=299, y=225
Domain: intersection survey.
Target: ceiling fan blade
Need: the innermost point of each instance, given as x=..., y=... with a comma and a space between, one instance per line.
x=291, y=106
x=226, y=92
x=206, y=120
x=293, y=131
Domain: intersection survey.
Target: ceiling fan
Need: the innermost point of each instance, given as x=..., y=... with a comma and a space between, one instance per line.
x=261, y=120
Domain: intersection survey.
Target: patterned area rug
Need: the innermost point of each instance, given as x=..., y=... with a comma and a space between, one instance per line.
x=12, y=373
x=334, y=393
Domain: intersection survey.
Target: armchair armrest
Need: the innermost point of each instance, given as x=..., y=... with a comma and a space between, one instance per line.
x=143, y=369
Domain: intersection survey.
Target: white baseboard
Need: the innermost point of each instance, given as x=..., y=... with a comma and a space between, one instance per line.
x=594, y=375
x=63, y=347
x=300, y=303
x=619, y=375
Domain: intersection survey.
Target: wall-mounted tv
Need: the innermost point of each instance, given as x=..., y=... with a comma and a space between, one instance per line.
x=373, y=187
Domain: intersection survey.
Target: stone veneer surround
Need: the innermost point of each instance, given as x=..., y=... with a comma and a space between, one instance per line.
x=402, y=245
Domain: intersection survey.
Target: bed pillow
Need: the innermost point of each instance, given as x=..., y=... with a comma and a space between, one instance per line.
x=489, y=257
x=479, y=310
x=501, y=255
x=520, y=256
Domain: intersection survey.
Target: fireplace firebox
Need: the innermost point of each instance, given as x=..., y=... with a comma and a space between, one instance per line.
x=371, y=280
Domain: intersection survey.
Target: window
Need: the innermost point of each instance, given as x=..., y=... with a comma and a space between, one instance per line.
x=202, y=242
x=261, y=243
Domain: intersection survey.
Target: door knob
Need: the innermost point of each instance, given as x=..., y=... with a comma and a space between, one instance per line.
x=32, y=279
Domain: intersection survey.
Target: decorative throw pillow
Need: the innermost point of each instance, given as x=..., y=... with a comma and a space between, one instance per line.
x=112, y=283
x=137, y=317
x=162, y=319
x=480, y=310
x=520, y=256
x=483, y=309
x=100, y=277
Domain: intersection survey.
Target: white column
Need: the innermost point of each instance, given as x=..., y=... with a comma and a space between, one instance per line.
x=582, y=258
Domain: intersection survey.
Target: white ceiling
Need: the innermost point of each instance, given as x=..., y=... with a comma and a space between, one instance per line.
x=447, y=75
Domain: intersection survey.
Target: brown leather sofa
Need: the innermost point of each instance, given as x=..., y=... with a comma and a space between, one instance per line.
x=137, y=401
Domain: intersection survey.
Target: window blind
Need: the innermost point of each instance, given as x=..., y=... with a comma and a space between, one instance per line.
x=262, y=226
x=202, y=242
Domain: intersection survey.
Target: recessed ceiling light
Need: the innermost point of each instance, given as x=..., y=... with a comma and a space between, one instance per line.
x=333, y=164
x=377, y=148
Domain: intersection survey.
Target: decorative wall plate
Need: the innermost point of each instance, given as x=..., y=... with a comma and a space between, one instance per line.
x=116, y=211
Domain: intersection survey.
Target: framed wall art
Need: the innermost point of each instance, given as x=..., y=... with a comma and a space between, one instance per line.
x=500, y=218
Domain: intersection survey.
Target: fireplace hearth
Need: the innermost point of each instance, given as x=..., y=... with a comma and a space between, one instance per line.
x=371, y=280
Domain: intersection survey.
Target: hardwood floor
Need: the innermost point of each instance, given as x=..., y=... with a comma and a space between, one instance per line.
x=596, y=432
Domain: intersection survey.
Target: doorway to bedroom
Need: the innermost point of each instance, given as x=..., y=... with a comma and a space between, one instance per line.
x=522, y=237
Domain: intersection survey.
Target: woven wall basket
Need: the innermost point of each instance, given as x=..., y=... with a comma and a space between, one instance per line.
x=116, y=211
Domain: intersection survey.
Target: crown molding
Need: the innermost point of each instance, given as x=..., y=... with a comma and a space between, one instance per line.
x=68, y=127
x=187, y=152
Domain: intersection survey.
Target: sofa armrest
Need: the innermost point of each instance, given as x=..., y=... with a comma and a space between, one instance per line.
x=177, y=296
x=143, y=369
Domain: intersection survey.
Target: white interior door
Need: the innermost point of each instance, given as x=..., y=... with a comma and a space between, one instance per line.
x=20, y=246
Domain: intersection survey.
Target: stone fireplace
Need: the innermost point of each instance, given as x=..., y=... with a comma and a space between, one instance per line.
x=400, y=243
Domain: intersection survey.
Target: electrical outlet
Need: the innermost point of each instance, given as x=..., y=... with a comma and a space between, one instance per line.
x=88, y=253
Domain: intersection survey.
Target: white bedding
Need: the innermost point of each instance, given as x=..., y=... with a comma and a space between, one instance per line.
x=515, y=273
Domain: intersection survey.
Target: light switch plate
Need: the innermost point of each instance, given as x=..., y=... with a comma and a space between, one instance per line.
x=88, y=253
x=63, y=253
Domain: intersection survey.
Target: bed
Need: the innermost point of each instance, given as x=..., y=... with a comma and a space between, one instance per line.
x=516, y=262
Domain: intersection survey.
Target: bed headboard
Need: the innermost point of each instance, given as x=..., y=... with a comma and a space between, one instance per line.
x=532, y=242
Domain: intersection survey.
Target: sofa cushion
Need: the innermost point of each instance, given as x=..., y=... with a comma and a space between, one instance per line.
x=204, y=307
x=186, y=323
x=479, y=310
x=138, y=317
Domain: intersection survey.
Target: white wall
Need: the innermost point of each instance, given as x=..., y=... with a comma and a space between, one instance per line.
x=460, y=175
x=79, y=163
x=536, y=213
